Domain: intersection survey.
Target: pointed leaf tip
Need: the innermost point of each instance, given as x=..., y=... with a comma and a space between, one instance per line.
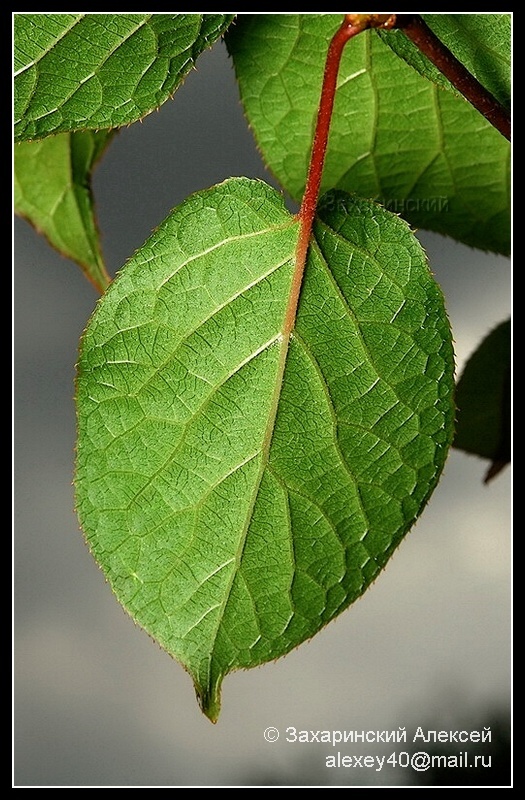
x=209, y=700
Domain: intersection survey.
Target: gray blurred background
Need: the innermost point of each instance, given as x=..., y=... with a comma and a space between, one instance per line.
x=96, y=702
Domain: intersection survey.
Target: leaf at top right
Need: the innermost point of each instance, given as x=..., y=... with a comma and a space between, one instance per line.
x=396, y=136
x=482, y=42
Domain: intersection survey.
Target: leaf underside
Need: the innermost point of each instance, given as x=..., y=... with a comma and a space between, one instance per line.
x=240, y=488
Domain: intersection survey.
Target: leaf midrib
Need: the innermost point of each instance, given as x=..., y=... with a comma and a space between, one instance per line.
x=265, y=452
x=286, y=329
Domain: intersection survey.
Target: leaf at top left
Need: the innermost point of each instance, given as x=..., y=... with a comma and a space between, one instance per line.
x=95, y=71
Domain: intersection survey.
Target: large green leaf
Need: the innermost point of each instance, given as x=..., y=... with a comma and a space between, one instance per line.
x=241, y=487
x=77, y=71
x=395, y=136
x=482, y=42
x=53, y=192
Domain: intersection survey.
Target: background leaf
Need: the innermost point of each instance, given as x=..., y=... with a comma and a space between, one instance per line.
x=52, y=190
x=482, y=42
x=483, y=398
x=422, y=152
x=77, y=71
x=241, y=488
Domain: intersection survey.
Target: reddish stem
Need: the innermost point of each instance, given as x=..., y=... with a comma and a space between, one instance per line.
x=306, y=215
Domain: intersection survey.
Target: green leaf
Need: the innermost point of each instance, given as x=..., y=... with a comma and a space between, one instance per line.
x=53, y=192
x=241, y=487
x=77, y=71
x=482, y=42
x=395, y=136
x=483, y=399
